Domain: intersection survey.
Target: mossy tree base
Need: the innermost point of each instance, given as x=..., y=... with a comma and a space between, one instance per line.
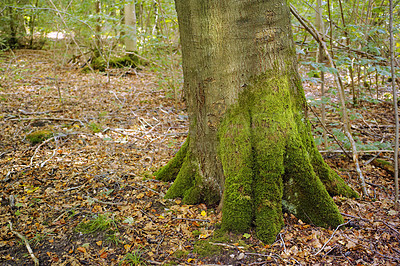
x=268, y=165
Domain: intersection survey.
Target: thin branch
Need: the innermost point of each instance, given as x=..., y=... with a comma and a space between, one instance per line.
x=396, y=113
x=224, y=245
x=283, y=242
x=38, y=147
x=361, y=152
x=38, y=113
x=144, y=59
x=192, y=220
x=47, y=118
x=334, y=137
x=28, y=247
x=333, y=234
x=104, y=202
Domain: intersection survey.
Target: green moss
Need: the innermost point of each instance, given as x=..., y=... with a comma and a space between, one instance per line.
x=179, y=254
x=196, y=233
x=39, y=136
x=235, y=152
x=187, y=183
x=117, y=62
x=171, y=170
x=304, y=194
x=270, y=113
x=383, y=162
x=208, y=247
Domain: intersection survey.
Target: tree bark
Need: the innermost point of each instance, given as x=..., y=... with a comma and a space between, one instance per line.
x=250, y=147
x=130, y=22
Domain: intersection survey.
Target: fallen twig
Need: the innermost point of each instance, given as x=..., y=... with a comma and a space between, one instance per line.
x=388, y=225
x=28, y=247
x=72, y=188
x=340, y=225
x=47, y=118
x=40, y=145
x=144, y=58
x=59, y=217
x=38, y=113
x=225, y=245
x=355, y=217
x=192, y=220
x=360, y=152
x=283, y=242
x=104, y=202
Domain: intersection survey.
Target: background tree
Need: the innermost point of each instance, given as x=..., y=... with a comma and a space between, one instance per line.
x=130, y=22
x=249, y=146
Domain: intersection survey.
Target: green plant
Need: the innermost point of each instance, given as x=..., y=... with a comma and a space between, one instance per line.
x=37, y=239
x=39, y=136
x=100, y=223
x=133, y=258
x=95, y=127
x=103, y=114
x=113, y=237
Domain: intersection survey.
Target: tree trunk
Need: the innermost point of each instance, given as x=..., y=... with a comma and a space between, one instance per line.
x=98, y=44
x=130, y=22
x=250, y=147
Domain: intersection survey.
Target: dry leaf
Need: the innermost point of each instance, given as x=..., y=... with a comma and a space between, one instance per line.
x=81, y=249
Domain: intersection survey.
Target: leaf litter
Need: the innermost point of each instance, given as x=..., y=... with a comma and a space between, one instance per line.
x=86, y=194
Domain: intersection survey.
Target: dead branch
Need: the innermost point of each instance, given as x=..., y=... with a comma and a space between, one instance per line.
x=192, y=220
x=283, y=242
x=225, y=245
x=144, y=59
x=47, y=118
x=104, y=202
x=38, y=113
x=361, y=152
x=28, y=247
x=333, y=234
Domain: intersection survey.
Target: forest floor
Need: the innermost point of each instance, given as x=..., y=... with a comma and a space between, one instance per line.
x=86, y=195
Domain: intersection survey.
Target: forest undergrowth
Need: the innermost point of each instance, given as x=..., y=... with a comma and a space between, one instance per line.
x=77, y=154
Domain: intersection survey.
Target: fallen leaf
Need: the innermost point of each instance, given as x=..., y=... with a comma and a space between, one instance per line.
x=127, y=247
x=81, y=249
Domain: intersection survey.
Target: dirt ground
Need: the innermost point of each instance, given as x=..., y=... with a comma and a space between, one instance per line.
x=77, y=153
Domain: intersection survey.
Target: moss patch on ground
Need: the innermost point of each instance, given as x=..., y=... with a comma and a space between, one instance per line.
x=39, y=136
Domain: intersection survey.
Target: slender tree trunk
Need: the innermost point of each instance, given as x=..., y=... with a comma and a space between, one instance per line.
x=98, y=47
x=396, y=112
x=319, y=23
x=250, y=147
x=130, y=22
